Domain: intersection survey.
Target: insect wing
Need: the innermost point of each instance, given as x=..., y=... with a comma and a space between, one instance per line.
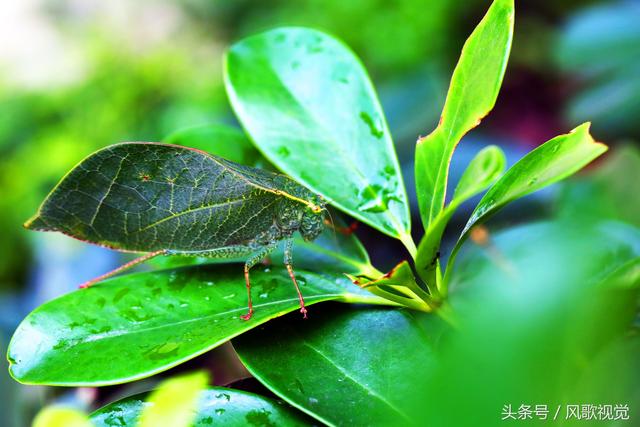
x=146, y=197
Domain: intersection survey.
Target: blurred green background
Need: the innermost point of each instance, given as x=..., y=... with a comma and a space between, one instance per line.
x=77, y=75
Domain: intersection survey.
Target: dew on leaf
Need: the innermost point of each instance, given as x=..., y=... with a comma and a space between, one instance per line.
x=375, y=126
x=163, y=351
x=259, y=417
x=283, y=151
x=120, y=294
x=227, y=396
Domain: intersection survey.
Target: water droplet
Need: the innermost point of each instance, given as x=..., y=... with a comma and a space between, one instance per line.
x=229, y=296
x=555, y=148
x=532, y=181
x=264, y=295
x=371, y=199
x=283, y=151
x=375, y=126
x=163, y=351
x=184, y=304
x=219, y=411
x=120, y=294
x=207, y=298
x=313, y=401
x=225, y=395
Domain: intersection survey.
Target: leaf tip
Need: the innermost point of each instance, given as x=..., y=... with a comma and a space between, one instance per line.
x=34, y=223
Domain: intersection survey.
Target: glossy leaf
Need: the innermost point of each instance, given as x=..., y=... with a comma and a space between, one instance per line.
x=174, y=402
x=216, y=406
x=472, y=94
x=134, y=326
x=483, y=170
x=344, y=367
x=554, y=160
x=219, y=140
x=308, y=105
x=148, y=197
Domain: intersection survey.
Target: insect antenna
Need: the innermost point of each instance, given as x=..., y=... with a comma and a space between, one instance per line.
x=123, y=267
x=332, y=226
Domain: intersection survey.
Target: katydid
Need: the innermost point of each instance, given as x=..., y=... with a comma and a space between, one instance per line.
x=171, y=200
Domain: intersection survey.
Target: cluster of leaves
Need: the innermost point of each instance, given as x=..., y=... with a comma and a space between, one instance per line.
x=311, y=111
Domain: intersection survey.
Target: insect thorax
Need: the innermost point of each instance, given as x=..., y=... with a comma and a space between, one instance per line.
x=294, y=215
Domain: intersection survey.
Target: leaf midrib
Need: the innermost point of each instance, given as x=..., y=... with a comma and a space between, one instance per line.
x=364, y=181
x=369, y=391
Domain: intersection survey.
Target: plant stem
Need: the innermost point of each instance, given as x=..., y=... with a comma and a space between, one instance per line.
x=408, y=243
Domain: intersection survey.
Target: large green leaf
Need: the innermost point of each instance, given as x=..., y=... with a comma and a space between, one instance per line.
x=220, y=140
x=482, y=171
x=136, y=325
x=217, y=406
x=345, y=367
x=308, y=104
x=554, y=160
x=472, y=93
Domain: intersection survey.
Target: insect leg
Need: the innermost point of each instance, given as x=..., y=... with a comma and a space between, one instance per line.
x=288, y=244
x=247, y=265
x=124, y=267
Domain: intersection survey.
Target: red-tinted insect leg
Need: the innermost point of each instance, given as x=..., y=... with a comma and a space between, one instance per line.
x=123, y=268
x=248, y=283
x=303, y=310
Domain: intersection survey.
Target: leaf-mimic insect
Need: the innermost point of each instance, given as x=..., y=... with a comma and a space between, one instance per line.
x=165, y=199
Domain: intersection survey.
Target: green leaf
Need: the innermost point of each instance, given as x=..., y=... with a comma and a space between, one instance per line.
x=344, y=367
x=134, y=326
x=219, y=140
x=174, y=402
x=309, y=106
x=148, y=197
x=554, y=160
x=58, y=416
x=482, y=171
x=472, y=94
x=216, y=406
